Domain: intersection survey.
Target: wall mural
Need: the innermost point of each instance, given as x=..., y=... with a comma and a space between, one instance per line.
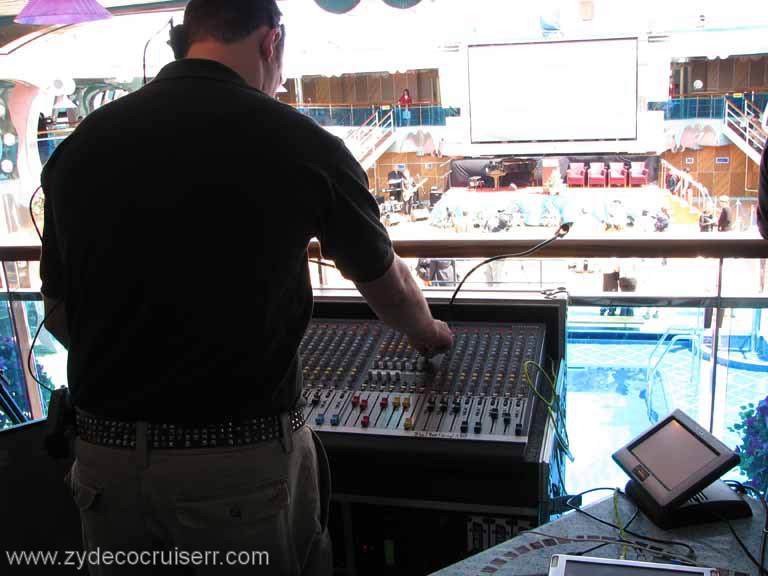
x=9, y=139
x=693, y=137
x=91, y=94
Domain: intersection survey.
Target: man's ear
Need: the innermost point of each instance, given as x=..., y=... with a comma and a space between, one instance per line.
x=269, y=43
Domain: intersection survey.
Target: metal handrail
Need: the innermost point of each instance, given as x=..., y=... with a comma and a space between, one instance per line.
x=357, y=138
x=745, y=126
x=694, y=338
x=704, y=196
x=752, y=107
x=372, y=118
x=375, y=135
x=606, y=246
x=683, y=332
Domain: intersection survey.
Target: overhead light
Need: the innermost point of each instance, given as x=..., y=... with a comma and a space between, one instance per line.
x=48, y=12
x=337, y=6
x=402, y=4
x=63, y=102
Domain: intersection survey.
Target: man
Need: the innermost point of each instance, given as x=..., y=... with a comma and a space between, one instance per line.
x=762, y=206
x=707, y=219
x=175, y=270
x=437, y=272
x=725, y=220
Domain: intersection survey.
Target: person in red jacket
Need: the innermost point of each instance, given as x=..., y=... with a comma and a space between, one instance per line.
x=405, y=99
x=405, y=102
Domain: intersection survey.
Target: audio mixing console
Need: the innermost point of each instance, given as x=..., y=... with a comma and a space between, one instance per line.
x=361, y=377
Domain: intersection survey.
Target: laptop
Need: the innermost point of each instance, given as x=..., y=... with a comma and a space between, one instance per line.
x=566, y=565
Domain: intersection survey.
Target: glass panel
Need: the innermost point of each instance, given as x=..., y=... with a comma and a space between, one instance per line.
x=19, y=320
x=10, y=364
x=50, y=357
x=635, y=277
x=705, y=107
x=623, y=375
x=744, y=278
x=349, y=115
x=742, y=376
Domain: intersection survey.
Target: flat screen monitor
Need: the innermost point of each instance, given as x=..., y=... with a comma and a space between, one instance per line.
x=675, y=459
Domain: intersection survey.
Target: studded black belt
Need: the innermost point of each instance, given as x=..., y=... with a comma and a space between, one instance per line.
x=227, y=434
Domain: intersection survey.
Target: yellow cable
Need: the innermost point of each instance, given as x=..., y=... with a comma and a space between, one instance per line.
x=562, y=435
x=617, y=521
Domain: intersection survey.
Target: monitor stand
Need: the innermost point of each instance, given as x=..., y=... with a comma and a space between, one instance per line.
x=713, y=504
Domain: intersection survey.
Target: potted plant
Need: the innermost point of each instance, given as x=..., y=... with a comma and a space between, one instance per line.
x=753, y=428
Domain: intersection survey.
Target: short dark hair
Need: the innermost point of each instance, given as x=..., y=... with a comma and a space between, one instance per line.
x=228, y=21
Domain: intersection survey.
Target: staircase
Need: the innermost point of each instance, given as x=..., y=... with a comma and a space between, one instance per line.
x=368, y=142
x=742, y=127
x=688, y=199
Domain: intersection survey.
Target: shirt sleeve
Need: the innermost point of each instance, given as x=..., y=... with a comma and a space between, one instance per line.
x=351, y=232
x=51, y=265
x=762, y=205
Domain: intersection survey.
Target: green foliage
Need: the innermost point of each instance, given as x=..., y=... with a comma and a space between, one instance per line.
x=753, y=429
x=12, y=368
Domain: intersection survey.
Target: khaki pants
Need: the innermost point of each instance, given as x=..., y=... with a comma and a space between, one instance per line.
x=260, y=509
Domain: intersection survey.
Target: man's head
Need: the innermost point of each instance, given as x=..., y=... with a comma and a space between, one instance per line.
x=245, y=35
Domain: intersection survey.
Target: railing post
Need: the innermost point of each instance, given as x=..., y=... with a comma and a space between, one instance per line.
x=715, y=344
x=321, y=273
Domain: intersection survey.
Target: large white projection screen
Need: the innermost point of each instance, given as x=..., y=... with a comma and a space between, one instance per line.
x=554, y=91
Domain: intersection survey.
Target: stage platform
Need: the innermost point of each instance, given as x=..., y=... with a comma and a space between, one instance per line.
x=591, y=207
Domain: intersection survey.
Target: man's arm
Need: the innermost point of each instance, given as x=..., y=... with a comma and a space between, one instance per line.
x=56, y=320
x=398, y=302
x=351, y=234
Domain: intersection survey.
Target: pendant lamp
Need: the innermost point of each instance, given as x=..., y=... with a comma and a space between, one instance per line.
x=403, y=4
x=48, y=12
x=337, y=6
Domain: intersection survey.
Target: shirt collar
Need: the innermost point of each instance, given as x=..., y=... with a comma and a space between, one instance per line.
x=199, y=68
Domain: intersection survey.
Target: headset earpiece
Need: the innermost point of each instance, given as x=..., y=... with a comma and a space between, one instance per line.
x=178, y=41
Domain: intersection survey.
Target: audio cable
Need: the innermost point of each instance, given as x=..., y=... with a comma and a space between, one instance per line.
x=32, y=372
x=146, y=46
x=561, y=232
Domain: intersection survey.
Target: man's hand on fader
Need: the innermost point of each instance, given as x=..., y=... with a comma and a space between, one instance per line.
x=438, y=341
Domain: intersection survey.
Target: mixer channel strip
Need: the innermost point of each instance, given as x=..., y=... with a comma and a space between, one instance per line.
x=363, y=377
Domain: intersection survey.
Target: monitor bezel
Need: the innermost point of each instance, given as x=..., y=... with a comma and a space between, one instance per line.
x=724, y=461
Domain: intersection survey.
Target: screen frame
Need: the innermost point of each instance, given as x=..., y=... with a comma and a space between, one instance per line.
x=469, y=47
x=725, y=460
x=560, y=562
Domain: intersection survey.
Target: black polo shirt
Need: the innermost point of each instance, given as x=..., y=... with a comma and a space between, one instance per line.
x=177, y=220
